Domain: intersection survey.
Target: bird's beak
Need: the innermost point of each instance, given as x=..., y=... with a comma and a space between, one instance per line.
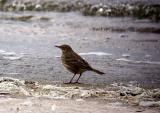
x=57, y=46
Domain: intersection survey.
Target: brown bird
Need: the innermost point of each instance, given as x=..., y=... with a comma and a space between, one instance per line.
x=75, y=63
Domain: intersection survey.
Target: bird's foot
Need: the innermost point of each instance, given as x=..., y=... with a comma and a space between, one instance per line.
x=68, y=83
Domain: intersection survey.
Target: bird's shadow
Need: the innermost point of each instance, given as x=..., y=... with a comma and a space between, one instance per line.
x=72, y=83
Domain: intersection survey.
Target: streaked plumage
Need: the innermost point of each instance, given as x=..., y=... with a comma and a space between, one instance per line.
x=75, y=63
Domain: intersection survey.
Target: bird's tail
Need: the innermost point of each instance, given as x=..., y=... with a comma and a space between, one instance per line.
x=97, y=71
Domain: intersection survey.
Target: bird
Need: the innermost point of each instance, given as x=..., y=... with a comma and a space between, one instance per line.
x=74, y=62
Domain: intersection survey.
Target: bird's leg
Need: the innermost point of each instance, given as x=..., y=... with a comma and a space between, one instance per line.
x=78, y=78
x=71, y=79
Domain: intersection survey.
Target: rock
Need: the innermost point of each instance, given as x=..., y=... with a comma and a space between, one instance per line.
x=140, y=110
x=12, y=80
x=122, y=94
x=156, y=94
x=5, y=93
x=13, y=86
x=131, y=90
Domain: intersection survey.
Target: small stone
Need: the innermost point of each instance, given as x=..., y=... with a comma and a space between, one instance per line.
x=122, y=94
x=29, y=82
x=140, y=110
x=132, y=93
x=18, y=109
x=156, y=95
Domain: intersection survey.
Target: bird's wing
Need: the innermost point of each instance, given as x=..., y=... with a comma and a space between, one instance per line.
x=77, y=61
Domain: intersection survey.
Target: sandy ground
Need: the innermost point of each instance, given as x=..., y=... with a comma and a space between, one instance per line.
x=46, y=105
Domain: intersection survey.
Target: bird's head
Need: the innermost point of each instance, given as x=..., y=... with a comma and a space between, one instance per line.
x=64, y=48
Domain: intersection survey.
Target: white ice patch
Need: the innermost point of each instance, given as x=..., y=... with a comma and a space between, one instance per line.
x=11, y=55
x=138, y=62
x=96, y=53
x=8, y=53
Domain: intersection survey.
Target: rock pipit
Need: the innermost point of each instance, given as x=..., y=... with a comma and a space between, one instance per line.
x=75, y=63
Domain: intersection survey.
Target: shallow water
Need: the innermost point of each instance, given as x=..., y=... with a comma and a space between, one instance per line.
x=27, y=47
